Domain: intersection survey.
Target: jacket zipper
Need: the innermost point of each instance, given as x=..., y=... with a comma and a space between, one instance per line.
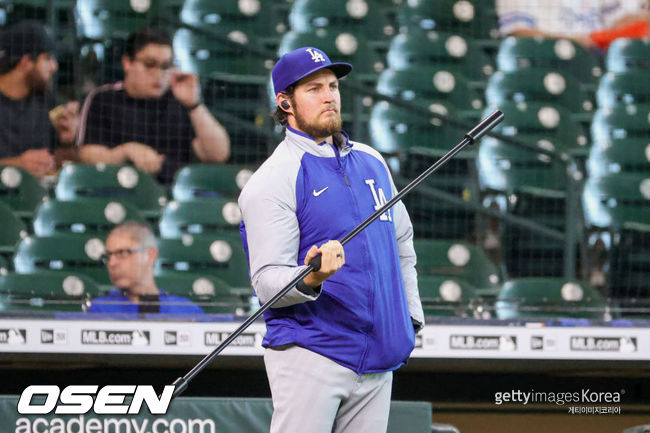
x=371, y=295
x=340, y=164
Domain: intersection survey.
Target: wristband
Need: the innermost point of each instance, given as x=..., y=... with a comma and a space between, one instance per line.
x=307, y=289
x=193, y=107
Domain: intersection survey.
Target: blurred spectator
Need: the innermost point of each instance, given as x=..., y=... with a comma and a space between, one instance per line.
x=592, y=23
x=131, y=252
x=28, y=132
x=154, y=118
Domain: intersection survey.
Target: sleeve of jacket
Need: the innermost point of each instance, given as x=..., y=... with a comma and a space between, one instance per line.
x=268, y=205
x=407, y=258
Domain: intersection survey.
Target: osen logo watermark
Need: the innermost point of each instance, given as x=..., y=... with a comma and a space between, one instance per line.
x=80, y=399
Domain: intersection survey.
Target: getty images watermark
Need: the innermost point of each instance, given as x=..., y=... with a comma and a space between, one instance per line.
x=584, y=401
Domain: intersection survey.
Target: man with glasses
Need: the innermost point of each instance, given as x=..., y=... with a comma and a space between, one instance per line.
x=131, y=252
x=154, y=118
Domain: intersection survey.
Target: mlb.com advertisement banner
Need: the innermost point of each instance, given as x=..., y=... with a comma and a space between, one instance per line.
x=77, y=409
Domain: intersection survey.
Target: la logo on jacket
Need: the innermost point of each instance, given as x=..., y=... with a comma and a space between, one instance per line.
x=380, y=199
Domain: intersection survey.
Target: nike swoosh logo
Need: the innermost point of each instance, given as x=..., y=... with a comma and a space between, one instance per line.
x=317, y=193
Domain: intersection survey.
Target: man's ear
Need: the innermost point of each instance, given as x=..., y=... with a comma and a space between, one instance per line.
x=127, y=63
x=152, y=255
x=283, y=102
x=25, y=63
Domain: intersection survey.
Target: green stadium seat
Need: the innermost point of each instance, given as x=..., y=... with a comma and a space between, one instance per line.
x=508, y=168
x=616, y=206
x=121, y=182
x=433, y=217
x=199, y=181
x=537, y=85
x=14, y=11
x=20, y=190
x=447, y=296
x=624, y=88
x=226, y=43
x=630, y=121
x=543, y=53
x=193, y=285
x=219, y=57
x=199, y=217
x=103, y=27
x=220, y=256
x=617, y=199
x=89, y=216
x=396, y=130
x=631, y=155
x=417, y=48
x=13, y=230
x=233, y=78
x=253, y=20
x=424, y=85
x=528, y=253
x=212, y=294
x=625, y=55
x=629, y=267
x=546, y=298
x=54, y=291
x=529, y=185
x=459, y=260
x=62, y=253
x=102, y=20
x=473, y=18
x=534, y=121
x=357, y=16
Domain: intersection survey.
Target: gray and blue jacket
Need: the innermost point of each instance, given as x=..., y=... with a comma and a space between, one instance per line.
x=306, y=194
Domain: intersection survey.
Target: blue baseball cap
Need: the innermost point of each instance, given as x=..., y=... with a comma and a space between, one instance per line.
x=297, y=64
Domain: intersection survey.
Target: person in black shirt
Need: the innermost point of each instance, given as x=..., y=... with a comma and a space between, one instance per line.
x=154, y=118
x=28, y=133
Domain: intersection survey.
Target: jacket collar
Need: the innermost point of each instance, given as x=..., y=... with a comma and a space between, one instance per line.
x=323, y=149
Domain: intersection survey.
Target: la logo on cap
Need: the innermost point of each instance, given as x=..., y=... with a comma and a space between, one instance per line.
x=315, y=55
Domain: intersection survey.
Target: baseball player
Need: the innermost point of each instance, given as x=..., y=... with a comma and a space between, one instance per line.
x=332, y=342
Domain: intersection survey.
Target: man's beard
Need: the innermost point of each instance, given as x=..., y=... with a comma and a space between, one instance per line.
x=322, y=130
x=37, y=84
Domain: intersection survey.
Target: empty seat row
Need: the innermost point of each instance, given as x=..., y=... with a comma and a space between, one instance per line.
x=68, y=291
x=23, y=193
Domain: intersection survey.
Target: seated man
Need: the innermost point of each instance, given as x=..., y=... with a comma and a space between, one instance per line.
x=131, y=252
x=27, y=132
x=154, y=118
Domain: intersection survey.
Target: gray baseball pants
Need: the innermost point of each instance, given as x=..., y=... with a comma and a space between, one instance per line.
x=312, y=394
